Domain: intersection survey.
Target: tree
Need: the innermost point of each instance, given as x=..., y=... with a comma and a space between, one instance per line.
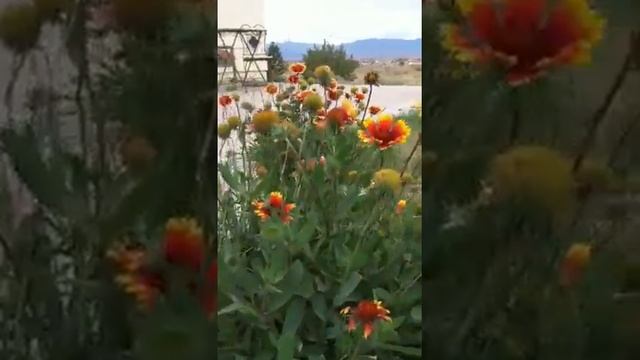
x=334, y=56
x=276, y=64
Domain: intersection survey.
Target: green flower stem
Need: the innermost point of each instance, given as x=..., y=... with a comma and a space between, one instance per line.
x=356, y=349
x=364, y=113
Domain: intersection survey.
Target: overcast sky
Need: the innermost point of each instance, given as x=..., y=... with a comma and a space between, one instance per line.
x=341, y=21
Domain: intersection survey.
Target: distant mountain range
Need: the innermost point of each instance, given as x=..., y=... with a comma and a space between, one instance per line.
x=361, y=49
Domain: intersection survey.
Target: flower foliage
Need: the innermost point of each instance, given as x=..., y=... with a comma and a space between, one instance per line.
x=305, y=230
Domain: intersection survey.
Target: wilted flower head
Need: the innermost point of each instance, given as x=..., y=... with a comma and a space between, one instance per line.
x=224, y=130
x=527, y=38
x=372, y=78
x=19, y=26
x=234, y=122
x=274, y=206
x=366, y=313
x=247, y=106
x=235, y=97
x=387, y=179
x=263, y=121
x=537, y=175
x=312, y=101
x=324, y=75
x=384, y=131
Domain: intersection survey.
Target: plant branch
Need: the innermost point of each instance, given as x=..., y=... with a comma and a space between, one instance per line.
x=415, y=147
x=598, y=116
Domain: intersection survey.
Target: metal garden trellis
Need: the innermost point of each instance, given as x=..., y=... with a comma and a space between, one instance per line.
x=250, y=38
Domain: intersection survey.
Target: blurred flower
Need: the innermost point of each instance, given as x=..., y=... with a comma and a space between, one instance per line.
x=225, y=100
x=143, y=286
x=372, y=78
x=271, y=89
x=224, y=130
x=351, y=110
x=19, y=26
x=333, y=84
x=384, y=132
x=373, y=110
x=324, y=75
x=137, y=152
x=354, y=90
x=400, y=206
x=322, y=161
x=352, y=175
x=574, y=264
x=51, y=9
x=184, y=243
x=312, y=101
x=275, y=206
x=332, y=94
x=235, y=97
x=247, y=106
x=293, y=79
x=261, y=170
x=359, y=96
x=527, y=38
x=387, y=178
x=263, y=121
x=233, y=121
x=297, y=68
x=366, y=313
x=339, y=116
x=535, y=175
x=291, y=129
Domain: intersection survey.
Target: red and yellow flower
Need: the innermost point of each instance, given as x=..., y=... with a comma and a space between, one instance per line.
x=526, y=37
x=271, y=89
x=366, y=313
x=225, y=100
x=384, y=132
x=359, y=96
x=184, y=243
x=339, y=116
x=293, y=79
x=400, y=206
x=374, y=110
x=297, y=68
x=574, y=264
x=274, y=206
x=183, y=246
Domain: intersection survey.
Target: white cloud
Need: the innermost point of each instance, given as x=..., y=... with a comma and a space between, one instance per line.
x=340, y=21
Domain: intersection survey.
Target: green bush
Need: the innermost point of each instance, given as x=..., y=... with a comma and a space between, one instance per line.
x=333, y=56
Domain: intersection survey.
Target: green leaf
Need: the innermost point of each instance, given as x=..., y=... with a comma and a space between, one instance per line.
x=306, y=232
x=272, y=231
x=402, y=349
x=382, y=294
x=347, y=288
x=277, y=301
x=319, y=306
x=228, y=177
x=416, y=313
x=293, y=317
x=286, y=347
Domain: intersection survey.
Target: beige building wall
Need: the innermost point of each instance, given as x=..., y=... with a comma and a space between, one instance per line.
x=237, y=14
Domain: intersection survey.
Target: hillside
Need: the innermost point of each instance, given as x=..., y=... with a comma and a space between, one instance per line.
x=362, y=49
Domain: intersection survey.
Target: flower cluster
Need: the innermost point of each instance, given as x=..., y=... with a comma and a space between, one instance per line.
x=145, y=278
